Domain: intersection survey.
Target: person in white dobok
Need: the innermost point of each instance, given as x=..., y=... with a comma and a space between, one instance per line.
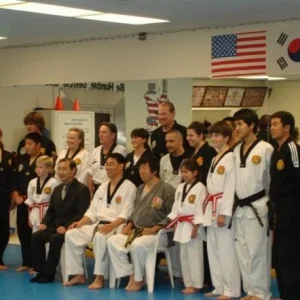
x=250, y=211
x=186, y=216
x=39, y=191
x=108, y=139
x=217, y=210
x=76, y=152
x=154, y=200
x=111, y=206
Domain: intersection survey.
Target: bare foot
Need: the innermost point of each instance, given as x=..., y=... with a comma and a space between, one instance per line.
x=23, y=269
x=190, y=290
x=136, y=286
x=98, y=283
x=224, y=297
x=78, y=279
x=130, y=282
x=3, y=268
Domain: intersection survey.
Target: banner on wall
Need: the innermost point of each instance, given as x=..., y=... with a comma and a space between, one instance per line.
x=156, y=93
x=284, y=52
x=239, y=54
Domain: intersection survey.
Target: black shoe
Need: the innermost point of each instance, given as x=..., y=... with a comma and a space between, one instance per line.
x=37, y=277
x=46, y=279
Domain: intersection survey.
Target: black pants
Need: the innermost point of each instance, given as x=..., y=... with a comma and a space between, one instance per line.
x=39, y=240
x=24, y=233
x=287, y=248
x=4, y=221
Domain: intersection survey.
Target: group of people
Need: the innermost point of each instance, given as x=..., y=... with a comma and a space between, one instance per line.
x=226, y=203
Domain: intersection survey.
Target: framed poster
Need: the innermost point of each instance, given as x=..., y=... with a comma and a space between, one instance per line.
x=214, y=96
x=254, y=96
x=234, y=97
x=198, y=93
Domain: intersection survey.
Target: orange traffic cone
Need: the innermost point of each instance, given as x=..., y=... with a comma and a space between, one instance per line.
x=76, y=105
x=59, y=104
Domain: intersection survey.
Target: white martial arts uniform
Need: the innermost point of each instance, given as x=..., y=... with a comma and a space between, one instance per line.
x=188, y=201
x=97, y=166
x=39, y=201
x=82, y=163
x=252, y=243
x=224, y=267
x=76, y=239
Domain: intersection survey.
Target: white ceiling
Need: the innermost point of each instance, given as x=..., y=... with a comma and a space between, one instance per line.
x=28, y=28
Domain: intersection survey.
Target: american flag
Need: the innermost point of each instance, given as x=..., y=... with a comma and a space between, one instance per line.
x=240, y=54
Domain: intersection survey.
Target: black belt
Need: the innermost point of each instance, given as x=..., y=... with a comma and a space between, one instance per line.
x=90, y=244
x=247, y=202
x=135, y=233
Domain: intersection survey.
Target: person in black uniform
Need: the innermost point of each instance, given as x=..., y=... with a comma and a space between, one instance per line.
x=166, y=115
x=25, y=171
x=6, y=173
x=35, y=122
x=285, y=204
x=139, y=142
x=201, y=151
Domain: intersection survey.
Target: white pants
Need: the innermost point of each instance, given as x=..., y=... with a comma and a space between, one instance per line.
x=191, y=258
x=175, y=259
x=253, y=249
x=75, y=242
x=223, y=263
x=138, y=250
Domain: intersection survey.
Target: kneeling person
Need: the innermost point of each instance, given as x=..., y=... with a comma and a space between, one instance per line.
x=111, y=206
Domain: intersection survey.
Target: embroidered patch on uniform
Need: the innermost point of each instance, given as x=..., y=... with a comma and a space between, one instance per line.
x=192, y=199
x=22, y=151
x=280, y=164
x=153, y=144
x=47, y=190
x=43, y=150
x=27, y=173
x=77, y=161
x=221, y=170
x=256, y=159
x=20, y=167
x=127, y=165
x=156, y=202
x=200, y=161
x=118, y=199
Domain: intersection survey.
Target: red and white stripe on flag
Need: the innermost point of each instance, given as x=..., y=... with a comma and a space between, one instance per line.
x=240, y=54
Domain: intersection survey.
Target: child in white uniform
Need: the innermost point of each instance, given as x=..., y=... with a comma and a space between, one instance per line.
x=40, y=190
x=186, y=216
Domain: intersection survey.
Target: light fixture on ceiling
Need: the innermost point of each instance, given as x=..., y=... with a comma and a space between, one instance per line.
x=3, y=38
x=49, y=9
x=262, y=77
x=124, y=19
x=10, y=2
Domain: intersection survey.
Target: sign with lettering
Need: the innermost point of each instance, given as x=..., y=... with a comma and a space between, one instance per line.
x=107, y=86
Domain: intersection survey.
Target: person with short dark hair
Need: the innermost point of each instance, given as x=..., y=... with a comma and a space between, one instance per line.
x=250, y=211
x=6, y=175
x=166, y=118
x=139, y=142
x=217, y=210
x=97, y=175
x=284, y=204
x=234, y=140
x=154, y=200
x=35, y=122
x=111, y=207
x=69, y=201
x=263, y=133
x=24, y=173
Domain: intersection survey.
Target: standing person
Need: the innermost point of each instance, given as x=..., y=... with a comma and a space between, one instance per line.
x=6, y=174
x=69, y=201
x=234, y=140
x=217, y=210
x=166, y=118
x=25, y=171
x=186, y=216
x=139, y=142
x=35, y=122
x=201, y=151
x=111, y=206
x=284, y=208
x=76, y=152
x=250, y=212
x=39, y=191
x=108, y=138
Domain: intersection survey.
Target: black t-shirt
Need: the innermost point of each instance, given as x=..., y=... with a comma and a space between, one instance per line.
x=158, y=140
